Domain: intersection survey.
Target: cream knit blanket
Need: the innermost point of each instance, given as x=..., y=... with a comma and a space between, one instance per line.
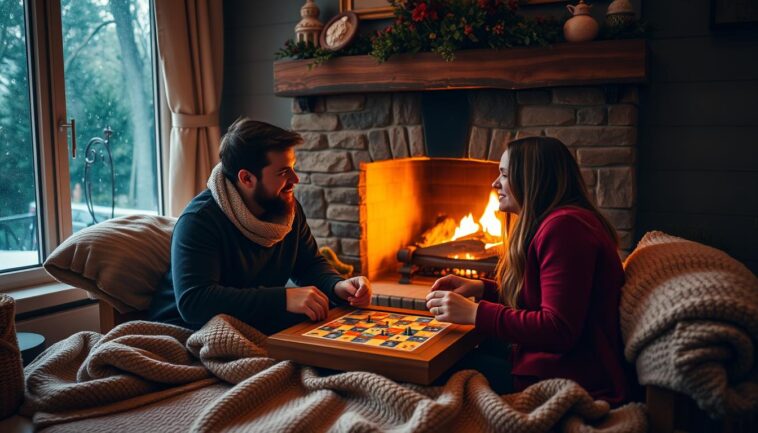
x=689, y=318
x=141, y=373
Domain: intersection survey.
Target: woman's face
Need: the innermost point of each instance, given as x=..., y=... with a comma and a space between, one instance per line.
x=503, y=188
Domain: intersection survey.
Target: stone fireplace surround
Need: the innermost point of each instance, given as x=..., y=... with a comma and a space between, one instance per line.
x=341, y=132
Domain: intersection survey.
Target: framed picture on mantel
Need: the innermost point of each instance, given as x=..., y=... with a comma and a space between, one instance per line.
x=727, y=14
x=368, y=9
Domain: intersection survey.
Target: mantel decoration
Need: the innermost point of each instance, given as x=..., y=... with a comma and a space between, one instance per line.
x=309, y=28
x=368, y=9
x=447, y=26
x=581, y=27
x=339, y=31
x=620, y=13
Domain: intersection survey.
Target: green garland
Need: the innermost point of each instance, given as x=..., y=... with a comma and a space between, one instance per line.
x=303, y=50
x=447, y=26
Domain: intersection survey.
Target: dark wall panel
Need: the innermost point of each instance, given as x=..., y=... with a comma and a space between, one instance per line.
x=698, y=149
x=707, y=148
x=253, y=32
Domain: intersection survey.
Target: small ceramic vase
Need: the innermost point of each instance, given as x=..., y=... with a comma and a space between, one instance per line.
x=581, y=26
x=620, y=13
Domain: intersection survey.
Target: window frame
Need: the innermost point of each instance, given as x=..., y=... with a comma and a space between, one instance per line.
x=47, y=96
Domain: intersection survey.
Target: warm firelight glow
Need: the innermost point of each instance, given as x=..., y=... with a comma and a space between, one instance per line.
x=467, y=256
x=466, y=227
x=489, y=229
x=489, y=221
x=492, y=245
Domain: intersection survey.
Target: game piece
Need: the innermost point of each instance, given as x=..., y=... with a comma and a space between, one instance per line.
x=369, y=318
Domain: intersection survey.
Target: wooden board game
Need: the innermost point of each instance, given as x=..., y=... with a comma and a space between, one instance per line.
x=394, y=331
x=404, y=345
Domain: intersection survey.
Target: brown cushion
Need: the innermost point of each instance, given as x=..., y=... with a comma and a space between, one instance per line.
x=120, y=261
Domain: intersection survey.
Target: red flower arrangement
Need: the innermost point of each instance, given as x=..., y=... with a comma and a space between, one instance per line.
x=446, y=26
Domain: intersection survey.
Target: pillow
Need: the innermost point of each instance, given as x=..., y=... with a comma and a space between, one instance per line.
x=120, y=261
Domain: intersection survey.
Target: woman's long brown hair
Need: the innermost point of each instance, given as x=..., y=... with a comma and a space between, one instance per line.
x=543, y=176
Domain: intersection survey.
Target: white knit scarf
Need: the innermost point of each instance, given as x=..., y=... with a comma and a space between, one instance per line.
x=229, y=200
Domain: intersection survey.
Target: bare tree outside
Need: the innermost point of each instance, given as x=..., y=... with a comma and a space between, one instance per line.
x=143, y=153
x=109, y=78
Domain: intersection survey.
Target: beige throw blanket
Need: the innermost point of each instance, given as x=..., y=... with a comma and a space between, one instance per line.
x=141, y=373
x=689, y=318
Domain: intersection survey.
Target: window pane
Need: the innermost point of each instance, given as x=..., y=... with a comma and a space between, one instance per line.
x=109, y=84
x=19, y=237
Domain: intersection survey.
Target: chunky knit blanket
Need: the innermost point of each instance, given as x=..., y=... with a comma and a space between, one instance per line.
x=149, y=376
x=689, y=318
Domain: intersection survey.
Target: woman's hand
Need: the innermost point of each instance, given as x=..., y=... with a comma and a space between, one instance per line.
x=452, y=307
x=463, y=286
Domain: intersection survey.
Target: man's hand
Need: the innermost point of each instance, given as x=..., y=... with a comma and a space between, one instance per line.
x=356, y=291
x=309, y=301
x=449, y=306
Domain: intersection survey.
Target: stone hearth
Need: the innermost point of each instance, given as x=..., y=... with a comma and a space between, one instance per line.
x=341, y=132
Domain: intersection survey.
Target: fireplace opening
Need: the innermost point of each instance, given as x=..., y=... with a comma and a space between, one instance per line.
x=430, y=217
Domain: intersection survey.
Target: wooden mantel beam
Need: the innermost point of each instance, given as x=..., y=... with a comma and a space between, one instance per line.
x=567, y=64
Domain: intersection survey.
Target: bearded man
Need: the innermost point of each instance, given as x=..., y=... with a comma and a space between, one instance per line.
x=237, y=243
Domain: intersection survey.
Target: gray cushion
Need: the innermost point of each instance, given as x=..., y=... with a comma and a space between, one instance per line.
x=120, y=261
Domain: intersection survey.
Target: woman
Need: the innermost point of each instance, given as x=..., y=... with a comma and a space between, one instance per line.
x=559, y=284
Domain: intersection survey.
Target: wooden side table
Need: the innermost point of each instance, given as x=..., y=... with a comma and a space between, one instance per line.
x=31, y=345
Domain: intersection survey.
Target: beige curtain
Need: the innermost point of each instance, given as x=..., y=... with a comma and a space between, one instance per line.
x=191, y=50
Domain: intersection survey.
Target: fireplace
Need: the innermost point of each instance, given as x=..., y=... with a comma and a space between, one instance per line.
x=403, y=198
x=371, y=183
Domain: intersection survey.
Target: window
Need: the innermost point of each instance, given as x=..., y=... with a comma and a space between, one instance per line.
x=19, y=239
x=73, y=71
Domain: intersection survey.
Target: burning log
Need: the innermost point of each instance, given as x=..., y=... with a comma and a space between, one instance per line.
x=467, y=249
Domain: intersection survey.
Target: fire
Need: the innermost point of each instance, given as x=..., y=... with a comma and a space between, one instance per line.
x=489, y=228
x=466, y=227
x=489, y=221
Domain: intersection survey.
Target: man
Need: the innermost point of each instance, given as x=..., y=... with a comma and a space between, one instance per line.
x=238, y=242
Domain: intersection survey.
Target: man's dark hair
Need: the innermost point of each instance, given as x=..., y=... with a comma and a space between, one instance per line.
x=246, y=144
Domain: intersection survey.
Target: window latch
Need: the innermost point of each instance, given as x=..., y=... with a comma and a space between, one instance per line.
x=71, y=125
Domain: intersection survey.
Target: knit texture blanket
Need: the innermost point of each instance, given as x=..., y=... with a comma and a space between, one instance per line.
x=689, y=319
x=149, y=376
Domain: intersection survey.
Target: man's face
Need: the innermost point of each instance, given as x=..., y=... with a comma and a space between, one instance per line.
x=274, y=191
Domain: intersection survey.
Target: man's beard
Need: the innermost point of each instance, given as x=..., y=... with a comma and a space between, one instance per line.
x=276, y=208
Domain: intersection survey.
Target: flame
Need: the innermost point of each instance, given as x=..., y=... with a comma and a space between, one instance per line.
x=488, y=246
x=468, y=256
x=466, y=227
x=489, y=229
x=489, y=220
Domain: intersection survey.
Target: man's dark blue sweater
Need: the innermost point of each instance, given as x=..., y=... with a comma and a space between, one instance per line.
x=216, y=269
